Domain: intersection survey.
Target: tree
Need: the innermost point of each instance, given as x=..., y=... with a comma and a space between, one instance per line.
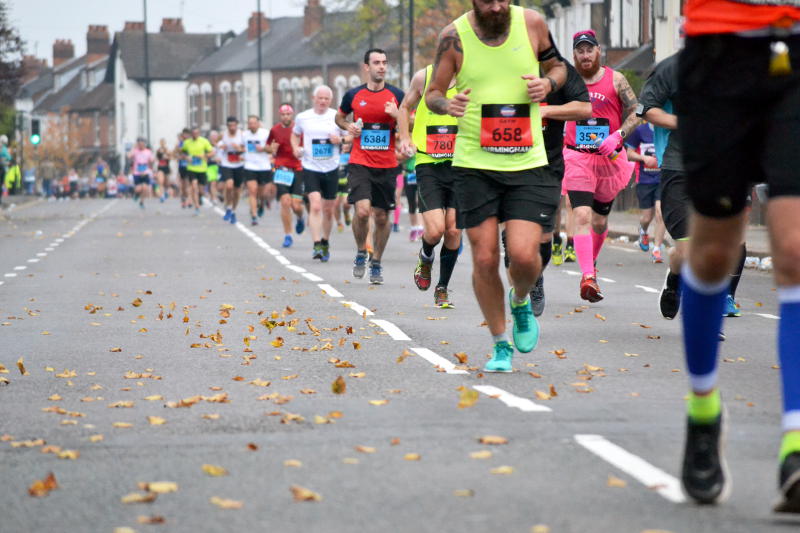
x=11, y=49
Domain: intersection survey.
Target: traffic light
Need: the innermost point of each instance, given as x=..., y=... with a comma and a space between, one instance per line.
x=36, y=136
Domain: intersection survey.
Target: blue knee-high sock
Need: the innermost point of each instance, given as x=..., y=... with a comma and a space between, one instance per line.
x=789, y=353
x=701, y=312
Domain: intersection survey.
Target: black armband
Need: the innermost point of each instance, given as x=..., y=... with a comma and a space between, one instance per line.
x=549, y=54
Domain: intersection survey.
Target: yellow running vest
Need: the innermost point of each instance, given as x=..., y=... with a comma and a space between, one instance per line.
x=501, y=129
x=433, y=134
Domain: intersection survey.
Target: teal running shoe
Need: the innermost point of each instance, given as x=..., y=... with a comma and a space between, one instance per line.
x=526, y=327
x=501, y=360
x=731, y=309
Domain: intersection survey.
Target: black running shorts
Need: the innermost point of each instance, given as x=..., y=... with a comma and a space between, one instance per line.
x=235, y=174
x=738, y=124
x=675, y=203
x=373, y=184
x=261, y=176
x=435, y=186
x=325, y=183
x=532, y=195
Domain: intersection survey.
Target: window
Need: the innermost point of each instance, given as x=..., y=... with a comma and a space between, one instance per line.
x=97, y=128
x=225, y=92
x=142, y=122
x=340, y=85
x=191, y=117
x=237, y=91
x=205, y=90
x=285, y=87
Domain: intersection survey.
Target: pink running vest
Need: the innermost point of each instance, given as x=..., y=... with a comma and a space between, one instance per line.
x=605, y=105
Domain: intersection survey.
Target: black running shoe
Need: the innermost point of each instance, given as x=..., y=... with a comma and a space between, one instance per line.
x=670, y=300
x=705, y=476
x=789, y=475
x=537, y=297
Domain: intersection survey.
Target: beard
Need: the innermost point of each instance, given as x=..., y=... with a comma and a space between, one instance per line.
x=588, y=71
x=492, y=25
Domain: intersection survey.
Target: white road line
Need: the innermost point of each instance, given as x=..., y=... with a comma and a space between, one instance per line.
x=282, y=260
x=647, y=289
x=54, y=244
x=393, y=331
x=49, y=249
x=10, y=275
x=296, y=268
x=607, y=280
x=1, y=282
x=636, y=467
x=273, y=251
x=312, y=277
x=358, y=308
x=767, y=315
x=34, y=260
x=59, y=240
x=41, y=254
x=621, y=249
x=523, y=404
x=571, y=272
x=437, y=360
x=20, y=267
x=333, y=293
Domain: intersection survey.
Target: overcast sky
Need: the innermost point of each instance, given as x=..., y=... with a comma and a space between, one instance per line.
x=42, y=21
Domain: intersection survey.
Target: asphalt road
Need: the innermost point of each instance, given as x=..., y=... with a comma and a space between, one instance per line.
x=120, y=314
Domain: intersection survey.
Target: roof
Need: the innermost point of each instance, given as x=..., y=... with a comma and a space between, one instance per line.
x=37, y=86
x=101, y=98
x=280, y=49
x=640, y=60
x=66, y=96
x=171, y=55
x=78, y=98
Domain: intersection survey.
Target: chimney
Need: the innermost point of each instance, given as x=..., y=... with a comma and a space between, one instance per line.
x=63, y=50
x=312, y=18
x=252, y=25
x=97, y=43
x=133, y=26
x=169, y=25
x=32, y=66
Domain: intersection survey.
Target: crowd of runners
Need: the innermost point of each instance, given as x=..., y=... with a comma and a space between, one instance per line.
x=500, y=134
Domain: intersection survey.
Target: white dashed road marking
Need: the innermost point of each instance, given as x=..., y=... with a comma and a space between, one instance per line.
x=437, y=360
x=393, y=331
x=330, y=290
x=636, y=467
x=523, y=404
x=312, y=277
x=767, y=315
x=647, y=289
x=358, y=308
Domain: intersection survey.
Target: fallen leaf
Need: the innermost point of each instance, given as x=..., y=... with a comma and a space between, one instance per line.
x=138, y=497
x=468, y=397
x=302, y=494
x=502, y=470
x=95, y=438
x=541, y=395
x=293, y=463
x=464, y=493
x=378, y=402
x=159, y=487
x=21, y=367
x=599, y=316
x=154, y=398
x=365, y=449
x=69, y=454
x=493, y=440
x=553, y=392
x=55, y=398
x=535, y=375
x=540, y=528
x=403, y=356
x=412, y=457
x=278, y=342
x=293, y=376
x=137, y=302
x=357, y=374
x=115, y=350
x=356, y=345
x=462, y=357
x=481, y=454
x=211, y=416
x=122, y=425
x=616, y=482
x=155, y=519
x=214, y=470
x=339, y=386
x=42, y=487
x=224, y=503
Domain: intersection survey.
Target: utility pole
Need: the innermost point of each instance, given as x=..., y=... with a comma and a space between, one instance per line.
x=260, y=88
x=410, y=40
x=146, y=74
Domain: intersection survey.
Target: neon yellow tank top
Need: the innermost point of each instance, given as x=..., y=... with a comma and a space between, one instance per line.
x=501, y=129
x=433, y=134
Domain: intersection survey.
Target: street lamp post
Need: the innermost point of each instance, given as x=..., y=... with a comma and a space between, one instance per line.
x=260, y=88
x=146, y=74
x=410, y=39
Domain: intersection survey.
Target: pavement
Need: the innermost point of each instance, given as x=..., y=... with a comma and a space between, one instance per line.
x=158, y=346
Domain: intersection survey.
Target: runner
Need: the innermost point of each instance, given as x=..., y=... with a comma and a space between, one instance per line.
x=641, y=150
x=232, y=146
x=499, y=163
x=257, y=166
x=212, y=173
x=162, y=175
x=373, y=162
x=288, y=177
x=342, y=209
x=738, y=124
x=142, y=167
x=321, y=139
x=196, y=151
x=183, y=174
x=596, y=167
x=433, y=139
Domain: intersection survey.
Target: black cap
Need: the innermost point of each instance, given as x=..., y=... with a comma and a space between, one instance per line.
x=586, y=36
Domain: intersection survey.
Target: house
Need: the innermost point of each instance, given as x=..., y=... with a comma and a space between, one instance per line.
x=171, y=54
x=72, y=102
x=624, y=29
x=293, y=64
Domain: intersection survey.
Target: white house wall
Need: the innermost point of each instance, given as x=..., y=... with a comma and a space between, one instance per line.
x=566, y=23
x=128, y=94
x=168, y=103
x=667, y=30
x=250, y=80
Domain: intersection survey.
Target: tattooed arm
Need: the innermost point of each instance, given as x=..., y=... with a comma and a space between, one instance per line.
x=629, y=104
x=449, y=55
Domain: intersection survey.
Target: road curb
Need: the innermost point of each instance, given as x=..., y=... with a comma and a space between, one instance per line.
x=633, y=237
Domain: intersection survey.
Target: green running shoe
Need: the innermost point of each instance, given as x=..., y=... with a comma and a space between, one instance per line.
x=558, y=254
x=526, y=327
x=501, y=360
x=569, y=254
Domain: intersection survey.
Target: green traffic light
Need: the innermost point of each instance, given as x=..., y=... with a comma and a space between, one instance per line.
x=35, y=138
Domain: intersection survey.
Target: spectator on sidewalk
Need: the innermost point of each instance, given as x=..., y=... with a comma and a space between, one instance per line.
x=47, y=173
